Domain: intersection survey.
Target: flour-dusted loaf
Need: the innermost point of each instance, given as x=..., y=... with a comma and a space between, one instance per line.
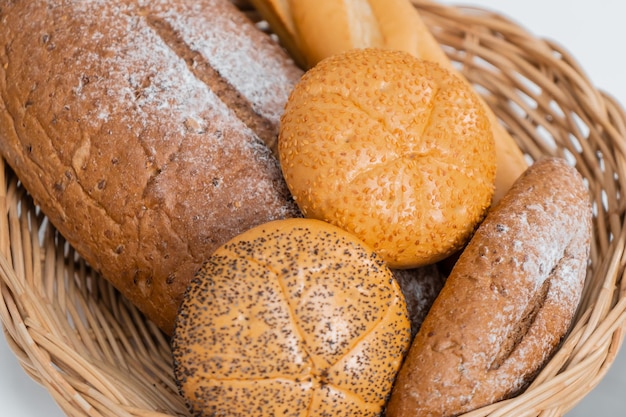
x=143, y=129
x=508, y=301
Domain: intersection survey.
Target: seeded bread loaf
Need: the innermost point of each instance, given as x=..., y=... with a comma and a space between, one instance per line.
x=291, y=318
x=508, y=301
x=143, y=130
x=404, y=145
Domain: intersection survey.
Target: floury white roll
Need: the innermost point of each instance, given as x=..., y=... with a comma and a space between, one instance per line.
x=143, y=130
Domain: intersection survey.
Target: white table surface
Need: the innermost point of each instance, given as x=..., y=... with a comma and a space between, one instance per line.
x=593, y=32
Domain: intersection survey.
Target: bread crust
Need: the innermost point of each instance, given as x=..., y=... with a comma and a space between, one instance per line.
x=291, y=318
x=420, y=287
x=388, y=24
x=142, y=129
x=508, y=301
x=394, y=149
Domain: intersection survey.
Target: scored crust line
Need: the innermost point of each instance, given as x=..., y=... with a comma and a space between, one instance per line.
x=202, y=69
x=301, y=335
x=292, y=313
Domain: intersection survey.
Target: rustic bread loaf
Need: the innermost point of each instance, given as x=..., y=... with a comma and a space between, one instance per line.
x=143, y=130
x=508, y=301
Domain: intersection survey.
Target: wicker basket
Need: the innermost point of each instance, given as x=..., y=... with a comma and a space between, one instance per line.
x=97, y=355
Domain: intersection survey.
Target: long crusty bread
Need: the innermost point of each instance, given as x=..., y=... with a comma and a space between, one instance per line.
x=143, y=130
x=315, y=29
x=508, y=301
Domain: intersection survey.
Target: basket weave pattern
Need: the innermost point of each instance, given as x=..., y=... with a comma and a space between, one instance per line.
x=97, y=355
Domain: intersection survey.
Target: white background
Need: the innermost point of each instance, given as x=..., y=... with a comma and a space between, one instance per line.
x=593, y=32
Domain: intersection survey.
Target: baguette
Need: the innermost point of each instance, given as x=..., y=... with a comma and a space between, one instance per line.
x=143, y=130
x=508, y=301
x=315, y=29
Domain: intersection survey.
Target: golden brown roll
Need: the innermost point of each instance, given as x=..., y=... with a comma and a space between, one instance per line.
x=394, y=149
x=293, y=317
x=508, y=302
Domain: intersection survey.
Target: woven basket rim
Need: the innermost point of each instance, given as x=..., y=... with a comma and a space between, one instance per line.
x=97, y=355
